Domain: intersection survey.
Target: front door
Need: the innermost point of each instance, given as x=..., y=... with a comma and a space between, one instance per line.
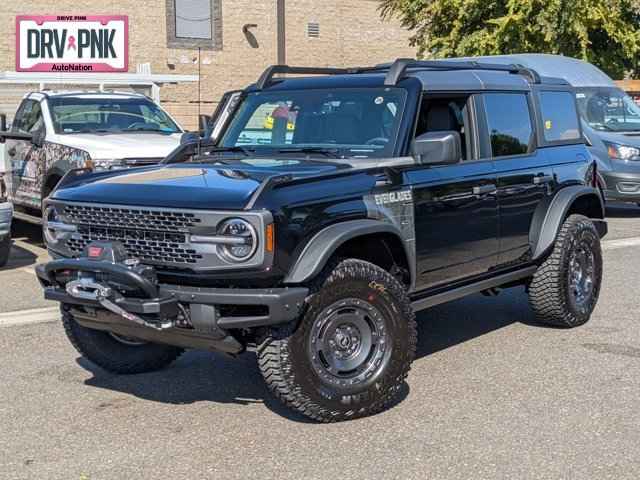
x=24, y=157
x=456, y=209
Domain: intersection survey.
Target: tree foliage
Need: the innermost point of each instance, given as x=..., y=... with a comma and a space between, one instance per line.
x=603, y=32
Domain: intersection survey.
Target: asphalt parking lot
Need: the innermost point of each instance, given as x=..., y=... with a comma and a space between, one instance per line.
x=491, y=395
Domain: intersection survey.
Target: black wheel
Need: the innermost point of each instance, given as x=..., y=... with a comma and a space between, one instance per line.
x=115, y=353
x=565, y=288
x=5, y=249
x=350, y=354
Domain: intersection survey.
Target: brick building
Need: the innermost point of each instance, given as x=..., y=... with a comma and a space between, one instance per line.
x=236, y=39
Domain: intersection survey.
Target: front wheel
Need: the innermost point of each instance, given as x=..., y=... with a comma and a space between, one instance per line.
x=565, y=288
x=351, y=352
x=116, y=353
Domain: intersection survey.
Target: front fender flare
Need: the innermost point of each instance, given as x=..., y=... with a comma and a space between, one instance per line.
x=548, y=220
x=324, y=244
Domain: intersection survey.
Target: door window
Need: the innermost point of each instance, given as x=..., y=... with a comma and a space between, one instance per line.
x=439, y=114
x=29, y=118
x=509, y=123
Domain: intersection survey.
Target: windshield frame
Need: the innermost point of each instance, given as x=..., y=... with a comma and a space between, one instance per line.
x=58, y=130
x=612, y=91
x=234, y=126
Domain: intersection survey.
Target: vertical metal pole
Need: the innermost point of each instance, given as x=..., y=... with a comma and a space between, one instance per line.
x=282, y=41
x=199, y=83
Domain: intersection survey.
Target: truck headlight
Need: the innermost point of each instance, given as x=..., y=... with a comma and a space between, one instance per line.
x=622, y=152
x=241, y=240
x=102, y=164
x=53, y=227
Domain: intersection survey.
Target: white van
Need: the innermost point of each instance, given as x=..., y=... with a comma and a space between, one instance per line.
x=54, y=132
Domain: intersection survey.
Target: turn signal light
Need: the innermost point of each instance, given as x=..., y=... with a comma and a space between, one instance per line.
x=270, y=238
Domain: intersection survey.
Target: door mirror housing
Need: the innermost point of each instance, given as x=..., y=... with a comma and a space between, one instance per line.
x=38, y=137
x=3, y=122
x=205, y=124
x=438, y=148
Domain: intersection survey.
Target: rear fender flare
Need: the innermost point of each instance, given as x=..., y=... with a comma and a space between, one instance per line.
x=551, y=214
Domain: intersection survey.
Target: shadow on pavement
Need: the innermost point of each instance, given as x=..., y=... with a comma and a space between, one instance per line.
x=622, y=210
x=20, y=257
x=207, y=377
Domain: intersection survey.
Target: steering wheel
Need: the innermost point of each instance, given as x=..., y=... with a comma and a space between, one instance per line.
x=612, y=121
x=382, y=141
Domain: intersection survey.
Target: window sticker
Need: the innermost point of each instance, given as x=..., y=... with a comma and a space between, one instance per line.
x=548, y=125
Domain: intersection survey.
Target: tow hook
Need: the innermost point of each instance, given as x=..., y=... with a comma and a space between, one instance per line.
x=87, y=289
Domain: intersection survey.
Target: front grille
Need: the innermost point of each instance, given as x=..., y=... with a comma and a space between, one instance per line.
x=162, y=220
x=155, y=236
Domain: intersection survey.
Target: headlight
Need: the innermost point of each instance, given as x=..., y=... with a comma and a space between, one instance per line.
x=53, y=227
x=622, y=152
x=101, y=164
x=242, y=240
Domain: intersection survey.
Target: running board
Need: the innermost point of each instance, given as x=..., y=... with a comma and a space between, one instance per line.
x=444, y=297
x=25, y=217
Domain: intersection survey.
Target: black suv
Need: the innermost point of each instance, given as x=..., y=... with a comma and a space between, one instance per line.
x=322, y=215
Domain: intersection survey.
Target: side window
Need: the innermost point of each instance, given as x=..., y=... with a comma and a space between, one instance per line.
x=559, y=116
x=509, y=123
x=439, y=114
x=29, y=118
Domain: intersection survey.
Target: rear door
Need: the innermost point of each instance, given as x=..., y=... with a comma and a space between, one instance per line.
x=25, y=159
x=524, y=176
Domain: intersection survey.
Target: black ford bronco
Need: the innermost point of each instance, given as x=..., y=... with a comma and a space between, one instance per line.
x=321, y=214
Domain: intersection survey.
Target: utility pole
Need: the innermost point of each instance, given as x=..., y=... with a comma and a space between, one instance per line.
x=282, y=41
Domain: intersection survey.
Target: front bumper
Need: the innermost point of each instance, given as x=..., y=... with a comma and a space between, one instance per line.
x=158, y=311
x=621, y=186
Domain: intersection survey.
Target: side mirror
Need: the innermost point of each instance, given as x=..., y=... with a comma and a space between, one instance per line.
x=205, y=123
x=3, y=122
x=38, y=137
x=438, y=148
x=189, y=137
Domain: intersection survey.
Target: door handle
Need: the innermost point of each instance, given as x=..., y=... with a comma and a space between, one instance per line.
x=542, y=179
x=481, y=189
x=12, y=151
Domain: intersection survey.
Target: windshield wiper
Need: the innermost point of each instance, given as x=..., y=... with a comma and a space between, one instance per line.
x=244, y=150
x=327, y=152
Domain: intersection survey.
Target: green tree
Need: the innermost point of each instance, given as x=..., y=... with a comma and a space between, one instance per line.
x=603, y=32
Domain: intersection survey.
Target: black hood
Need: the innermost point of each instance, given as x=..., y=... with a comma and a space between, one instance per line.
x=187, y=185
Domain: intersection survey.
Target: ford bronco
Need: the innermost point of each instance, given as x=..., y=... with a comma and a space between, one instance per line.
x=325, y=210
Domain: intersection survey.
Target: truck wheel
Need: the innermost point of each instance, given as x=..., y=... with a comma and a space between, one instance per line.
x=5, y=250
x=350, y=354
x=116, y=353
x=565, y=288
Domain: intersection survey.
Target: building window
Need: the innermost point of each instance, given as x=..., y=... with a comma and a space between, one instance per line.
x=194, y=24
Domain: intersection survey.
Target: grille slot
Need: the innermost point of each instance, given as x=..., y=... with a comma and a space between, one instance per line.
x=130, y=218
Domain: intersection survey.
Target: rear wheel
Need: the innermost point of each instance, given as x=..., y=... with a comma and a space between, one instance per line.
x=352, y=350
x=116, y=353
x=565, y=288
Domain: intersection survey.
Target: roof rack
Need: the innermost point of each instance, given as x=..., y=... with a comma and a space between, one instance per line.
x=397, y=70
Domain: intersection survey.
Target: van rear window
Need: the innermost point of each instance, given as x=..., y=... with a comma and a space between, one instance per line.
x=559, y=116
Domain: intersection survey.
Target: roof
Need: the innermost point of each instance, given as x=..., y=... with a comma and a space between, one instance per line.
x=436, y=76
x=577, y=72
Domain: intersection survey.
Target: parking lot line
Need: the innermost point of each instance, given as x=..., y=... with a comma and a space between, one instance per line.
x=26, y=317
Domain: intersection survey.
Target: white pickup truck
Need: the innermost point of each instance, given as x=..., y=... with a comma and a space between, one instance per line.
x=54, y=132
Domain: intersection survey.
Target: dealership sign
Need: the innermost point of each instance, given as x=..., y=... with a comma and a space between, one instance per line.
x=72, y=43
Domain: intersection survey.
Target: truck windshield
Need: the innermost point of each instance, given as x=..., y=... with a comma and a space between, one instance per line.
x=108, y=115
x=608, y=108
x=350, y=122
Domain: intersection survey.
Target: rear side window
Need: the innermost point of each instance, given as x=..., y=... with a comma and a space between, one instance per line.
x=559, y=117
x=509, y=123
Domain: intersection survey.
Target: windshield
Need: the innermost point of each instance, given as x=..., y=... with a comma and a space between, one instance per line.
x=351, y=122
x=109, y=115
x=608, y=108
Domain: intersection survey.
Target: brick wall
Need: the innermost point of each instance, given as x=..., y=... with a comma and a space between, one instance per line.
x=351, y=33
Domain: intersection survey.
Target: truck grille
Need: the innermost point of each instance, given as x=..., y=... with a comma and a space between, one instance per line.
x=130, y=218
x=155, y=236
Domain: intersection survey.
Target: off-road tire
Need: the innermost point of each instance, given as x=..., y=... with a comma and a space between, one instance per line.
x=5, y=249
x=114, y=356
x=549, y=291
x=288, y=369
